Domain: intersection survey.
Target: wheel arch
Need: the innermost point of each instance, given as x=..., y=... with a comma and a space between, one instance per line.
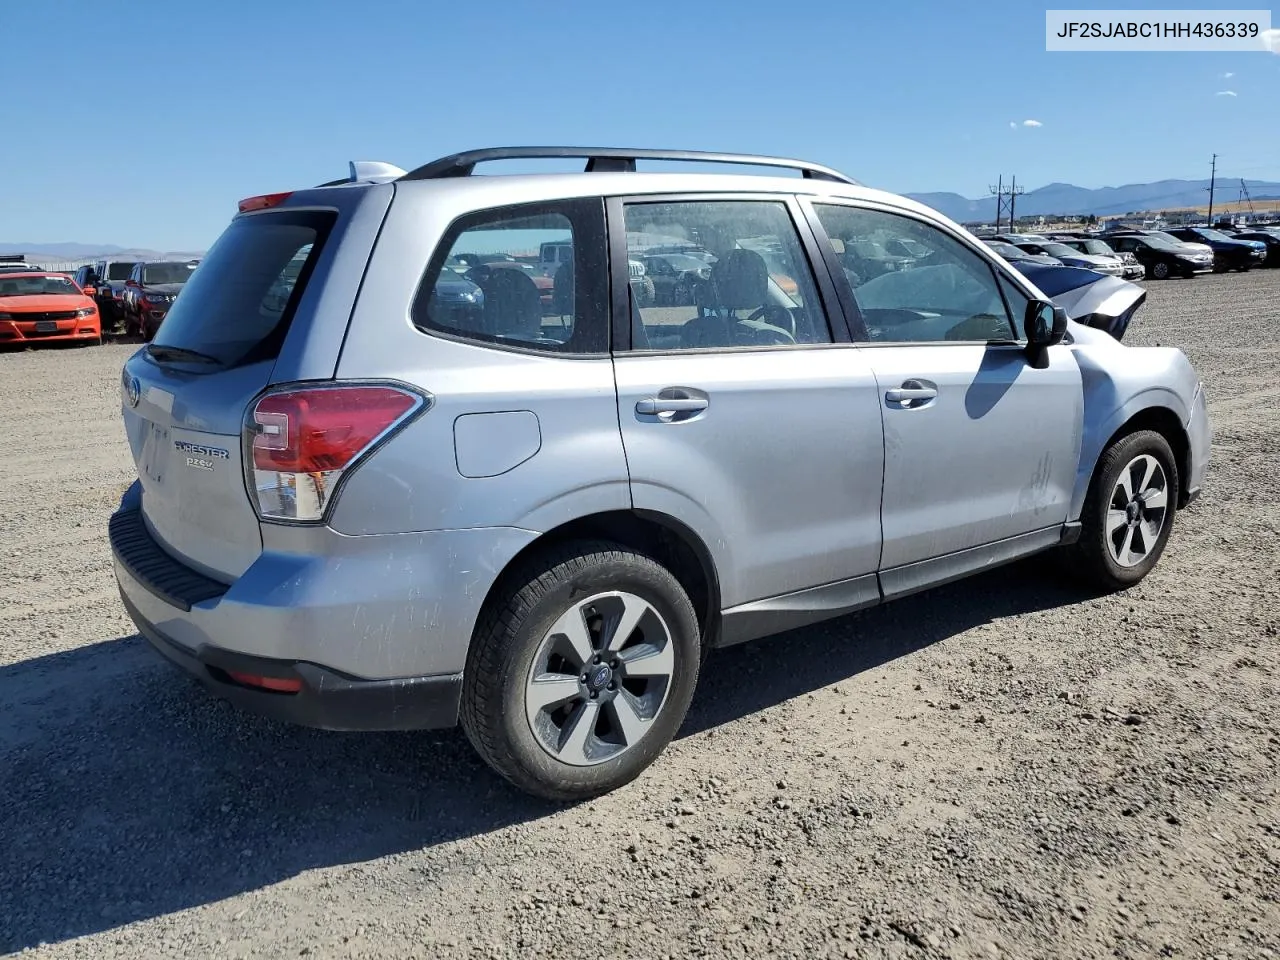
x=663, y=537
x=1164, y=421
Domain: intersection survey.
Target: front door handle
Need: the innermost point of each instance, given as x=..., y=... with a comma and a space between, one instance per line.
x=911, y=395
x=654, y=406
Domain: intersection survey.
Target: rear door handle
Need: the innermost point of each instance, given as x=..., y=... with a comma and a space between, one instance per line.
x=659, y=405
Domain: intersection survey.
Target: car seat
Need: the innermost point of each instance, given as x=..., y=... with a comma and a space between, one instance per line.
x=739, y=281
x=512, y=305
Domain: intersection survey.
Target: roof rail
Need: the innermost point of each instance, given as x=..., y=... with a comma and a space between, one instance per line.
x=607, y=159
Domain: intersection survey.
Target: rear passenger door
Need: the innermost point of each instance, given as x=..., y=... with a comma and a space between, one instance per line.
x=750, y=417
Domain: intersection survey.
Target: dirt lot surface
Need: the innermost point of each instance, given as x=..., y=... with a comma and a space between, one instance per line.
x=1005, y=767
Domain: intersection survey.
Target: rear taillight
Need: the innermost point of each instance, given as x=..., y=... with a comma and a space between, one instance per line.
x=301, y=442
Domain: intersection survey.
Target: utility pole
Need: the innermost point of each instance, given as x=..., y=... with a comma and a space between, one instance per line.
x=1244, y=192
x=1213, y=173
x=1014, y=191
x=1004, y=200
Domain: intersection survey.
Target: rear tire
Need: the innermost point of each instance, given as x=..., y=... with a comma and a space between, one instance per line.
x=1128, y=512
x=581, y=670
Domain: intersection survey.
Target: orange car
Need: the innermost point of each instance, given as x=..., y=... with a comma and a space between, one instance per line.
x=37, y=307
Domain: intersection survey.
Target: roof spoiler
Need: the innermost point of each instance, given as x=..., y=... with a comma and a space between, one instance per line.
x=368, y=171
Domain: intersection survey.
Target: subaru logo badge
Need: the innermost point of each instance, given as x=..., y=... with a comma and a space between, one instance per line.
x=132, y=390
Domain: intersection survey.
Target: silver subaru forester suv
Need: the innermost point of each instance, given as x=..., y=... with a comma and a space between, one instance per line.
x=381, y=489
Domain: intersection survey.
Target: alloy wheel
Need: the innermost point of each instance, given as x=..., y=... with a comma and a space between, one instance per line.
x=1138, y=511
x=600, y=678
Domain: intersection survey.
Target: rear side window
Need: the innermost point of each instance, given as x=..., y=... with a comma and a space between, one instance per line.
x=238, y=303
x=506, y=295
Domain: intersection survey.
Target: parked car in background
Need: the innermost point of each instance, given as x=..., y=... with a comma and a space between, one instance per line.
x=1228, y=253
x=1270, y=239
x=554, y=255
x=1162, y=258
x=675, y=276
x=1130, y=268
x=150, y=290
x=41, y=307
x=107, y=276
x=15, y=263
x=1014, y=253
x=1069, y=256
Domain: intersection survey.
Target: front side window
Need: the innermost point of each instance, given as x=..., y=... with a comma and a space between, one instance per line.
x=504, y=297
x=753, y=288
x=949, y=293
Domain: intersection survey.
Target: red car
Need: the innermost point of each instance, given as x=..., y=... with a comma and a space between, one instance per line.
x=36, y=307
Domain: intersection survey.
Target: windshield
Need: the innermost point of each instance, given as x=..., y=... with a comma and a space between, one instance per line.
x=1006, y=250
x=37, y=286
x=1212, y=234
x=167, y=272
x=1097, y=248
x=1162, y=241
x=238, y=306
x=119, y=270
x=1059, y=250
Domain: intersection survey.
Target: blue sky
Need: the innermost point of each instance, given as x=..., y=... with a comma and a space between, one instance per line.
x=156, y=117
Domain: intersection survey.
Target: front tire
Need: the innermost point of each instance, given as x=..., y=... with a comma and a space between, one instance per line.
x=1129, y=510
x=581, y=670
x=1160, y=271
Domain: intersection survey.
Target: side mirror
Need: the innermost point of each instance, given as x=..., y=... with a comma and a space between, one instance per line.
x=1046, y=325
x=90, y=291
x=131, y=283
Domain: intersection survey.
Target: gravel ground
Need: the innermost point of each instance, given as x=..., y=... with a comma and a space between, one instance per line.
x=1002, y=767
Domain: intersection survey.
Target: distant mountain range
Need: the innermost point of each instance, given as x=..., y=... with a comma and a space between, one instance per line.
x=1055, y=198
x=83, y=251
x=1064, y=198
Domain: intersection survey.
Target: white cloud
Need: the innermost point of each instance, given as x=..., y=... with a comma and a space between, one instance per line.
x=1227, y=76
x=1271, y=40
x=1032, y=123
x=1013, y=124
x=1226, y=93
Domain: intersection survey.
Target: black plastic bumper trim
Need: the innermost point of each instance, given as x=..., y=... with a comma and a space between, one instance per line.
x=328, y=700
x=169, y=579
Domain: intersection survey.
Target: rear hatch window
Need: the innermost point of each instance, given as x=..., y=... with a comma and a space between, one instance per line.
x=240, y=300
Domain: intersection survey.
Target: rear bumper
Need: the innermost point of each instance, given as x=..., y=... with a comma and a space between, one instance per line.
x=376, y=628
x=326, y=699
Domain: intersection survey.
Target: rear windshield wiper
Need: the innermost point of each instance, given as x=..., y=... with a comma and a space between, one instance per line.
x=162, y=352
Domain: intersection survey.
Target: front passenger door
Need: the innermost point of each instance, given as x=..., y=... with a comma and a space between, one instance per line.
x=981, y=448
